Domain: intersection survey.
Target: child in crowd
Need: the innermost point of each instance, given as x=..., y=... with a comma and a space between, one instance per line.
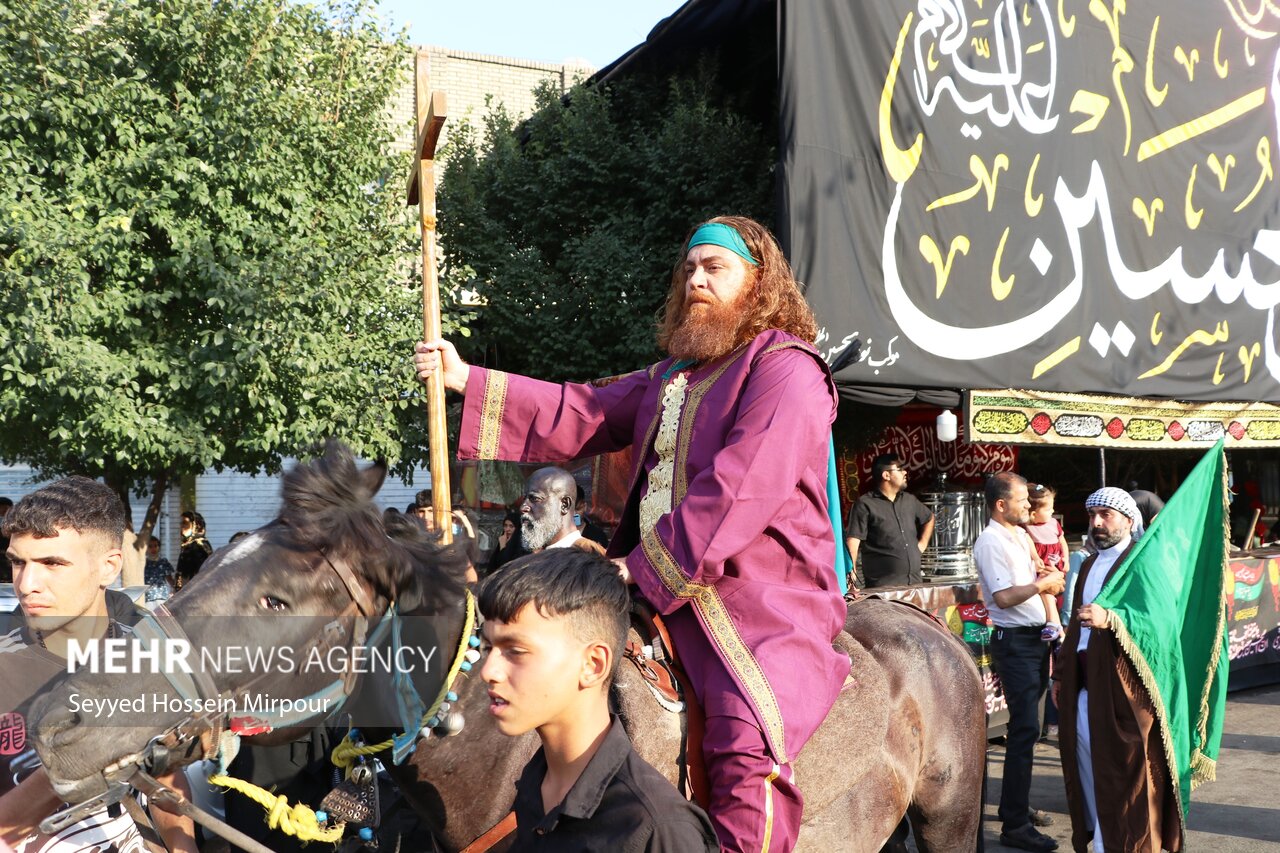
x=555, y=626
x=1051, y=550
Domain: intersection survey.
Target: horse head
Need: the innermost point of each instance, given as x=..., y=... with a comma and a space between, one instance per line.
x=269, y=637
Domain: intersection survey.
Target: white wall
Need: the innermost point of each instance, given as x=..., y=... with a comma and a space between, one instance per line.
x=15, y=482
x=229, y=501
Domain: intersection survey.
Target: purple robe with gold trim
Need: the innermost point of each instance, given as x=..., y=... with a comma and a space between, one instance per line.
x=742, y=563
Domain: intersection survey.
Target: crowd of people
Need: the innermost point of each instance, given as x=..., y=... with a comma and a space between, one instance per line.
x=1125, y=799
x=1040, y=603
x=727, y=533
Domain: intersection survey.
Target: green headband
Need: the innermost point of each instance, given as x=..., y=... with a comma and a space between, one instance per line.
x=719, y=234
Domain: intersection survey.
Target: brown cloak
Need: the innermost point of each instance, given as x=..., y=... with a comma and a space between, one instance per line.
x=1136, y=798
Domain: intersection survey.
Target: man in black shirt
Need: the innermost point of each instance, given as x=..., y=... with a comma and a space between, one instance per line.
x=894, y=526
x=555, y=623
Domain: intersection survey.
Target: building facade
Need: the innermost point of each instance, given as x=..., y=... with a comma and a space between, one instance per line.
x=475, y=83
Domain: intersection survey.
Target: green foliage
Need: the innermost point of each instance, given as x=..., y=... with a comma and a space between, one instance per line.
x=572, y=221
x=205, y=260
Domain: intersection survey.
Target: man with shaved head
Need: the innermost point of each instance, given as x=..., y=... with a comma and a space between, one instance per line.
x=546, y=514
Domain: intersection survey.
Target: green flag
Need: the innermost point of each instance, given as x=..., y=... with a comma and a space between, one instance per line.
x=1169, y=616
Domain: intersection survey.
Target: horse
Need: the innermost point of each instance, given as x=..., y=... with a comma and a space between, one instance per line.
x=906, y=735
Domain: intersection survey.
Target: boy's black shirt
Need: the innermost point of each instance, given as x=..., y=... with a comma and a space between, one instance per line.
x=619, y=803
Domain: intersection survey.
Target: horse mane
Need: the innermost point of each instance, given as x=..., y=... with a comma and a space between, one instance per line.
x=328, y=504
x=437, y=573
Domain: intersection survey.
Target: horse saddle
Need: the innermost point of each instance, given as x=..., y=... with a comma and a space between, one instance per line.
x=658, y=665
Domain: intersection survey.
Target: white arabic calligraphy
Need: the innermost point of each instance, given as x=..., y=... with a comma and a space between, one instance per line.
x=945, y=22
x=969, y=344
x=996, y=83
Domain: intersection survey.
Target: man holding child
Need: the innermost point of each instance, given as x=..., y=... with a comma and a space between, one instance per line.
x=1012, y=591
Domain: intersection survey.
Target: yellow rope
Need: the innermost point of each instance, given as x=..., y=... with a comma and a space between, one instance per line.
x=298, y=820
x=467, y=627
x=346, y=752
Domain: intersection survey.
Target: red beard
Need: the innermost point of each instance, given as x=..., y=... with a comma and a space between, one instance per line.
x=709, y=329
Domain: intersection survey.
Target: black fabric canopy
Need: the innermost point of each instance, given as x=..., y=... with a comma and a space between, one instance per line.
x=693, y=28
x=1009, y=197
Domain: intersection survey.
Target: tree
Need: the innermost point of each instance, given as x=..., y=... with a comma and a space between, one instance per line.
x=571, y=221
x=205, y=260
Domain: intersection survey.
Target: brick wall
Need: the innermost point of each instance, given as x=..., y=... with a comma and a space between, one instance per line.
x=469, y=78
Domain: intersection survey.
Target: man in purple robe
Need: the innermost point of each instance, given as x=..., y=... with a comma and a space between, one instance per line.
x=725, y=529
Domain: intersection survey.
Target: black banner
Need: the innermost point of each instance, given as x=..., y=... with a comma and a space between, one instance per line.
x=1048, y=194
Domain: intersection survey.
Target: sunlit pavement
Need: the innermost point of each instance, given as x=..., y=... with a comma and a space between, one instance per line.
x=1237, y=813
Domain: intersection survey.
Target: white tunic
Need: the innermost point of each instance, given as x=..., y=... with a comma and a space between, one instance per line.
x=1098, y=574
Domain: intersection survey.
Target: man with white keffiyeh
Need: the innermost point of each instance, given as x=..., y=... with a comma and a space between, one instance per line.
x=1092, y=698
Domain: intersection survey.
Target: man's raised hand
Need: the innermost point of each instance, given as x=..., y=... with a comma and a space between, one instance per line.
x=441, y=355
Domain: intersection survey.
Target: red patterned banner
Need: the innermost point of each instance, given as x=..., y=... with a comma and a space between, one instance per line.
x=915, y=439
x=1042, y=417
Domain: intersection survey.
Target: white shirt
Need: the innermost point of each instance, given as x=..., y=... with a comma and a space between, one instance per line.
x=1102, y=566
x=1003, y=557
x=566, y=542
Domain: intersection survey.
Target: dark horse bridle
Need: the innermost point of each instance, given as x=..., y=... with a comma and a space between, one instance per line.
x=205, y=731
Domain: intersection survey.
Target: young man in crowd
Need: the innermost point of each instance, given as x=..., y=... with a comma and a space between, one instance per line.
x=555, y=625
x=421, y=510
x=65, y=545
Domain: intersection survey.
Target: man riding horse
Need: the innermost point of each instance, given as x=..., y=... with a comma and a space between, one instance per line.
x=726, y=529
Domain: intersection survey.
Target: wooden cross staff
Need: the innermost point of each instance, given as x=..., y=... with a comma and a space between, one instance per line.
x=422, y=192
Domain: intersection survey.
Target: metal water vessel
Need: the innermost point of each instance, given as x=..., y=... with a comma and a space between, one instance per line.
x=959, y=517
